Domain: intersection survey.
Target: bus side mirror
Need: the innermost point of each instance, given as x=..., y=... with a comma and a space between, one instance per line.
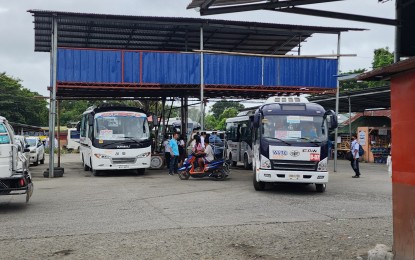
x=331, y=118
x=78, y=127
x=90, y=120
x=256, y=120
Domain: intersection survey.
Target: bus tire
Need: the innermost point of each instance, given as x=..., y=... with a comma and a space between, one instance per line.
x=247, y=165
x=258, y=185
x=86, y=167
x=43, y=160
x=232, y=161
x=96, y=172
x=320, y=187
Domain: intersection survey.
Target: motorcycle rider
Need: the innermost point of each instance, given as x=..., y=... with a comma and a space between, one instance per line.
x=209, y=157
x=199, y=151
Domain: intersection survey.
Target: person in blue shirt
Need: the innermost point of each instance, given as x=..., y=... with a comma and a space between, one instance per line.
x=309, y=131
x=216, y=143
x=174, y=153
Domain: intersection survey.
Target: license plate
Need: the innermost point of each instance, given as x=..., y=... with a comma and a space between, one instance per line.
x=123, y=167
x=294, y=176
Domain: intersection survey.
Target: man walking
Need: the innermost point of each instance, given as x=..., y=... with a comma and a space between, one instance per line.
x=354, y=148
x=174, y=152
x=167, y=150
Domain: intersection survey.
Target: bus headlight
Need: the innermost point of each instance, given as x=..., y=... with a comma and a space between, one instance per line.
x=101, y=156
x=144, y=155
x=322, y=166
x=265, y=163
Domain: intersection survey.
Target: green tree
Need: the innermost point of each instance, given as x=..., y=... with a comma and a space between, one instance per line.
x=381, y=57
x=351, y=85
x=210, y=122
x=21, y=105
x=220, y=106
x=227, y=113
x=71, y=110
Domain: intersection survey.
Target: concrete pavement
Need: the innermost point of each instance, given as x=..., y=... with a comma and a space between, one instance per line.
x=85, y=214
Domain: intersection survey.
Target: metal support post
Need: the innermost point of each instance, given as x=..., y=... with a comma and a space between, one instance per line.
x=398, y=31
x=350, y=119
x=59, y=133
x=337, y=101
x=52, y=105
x=186, y=117
x=202, y=83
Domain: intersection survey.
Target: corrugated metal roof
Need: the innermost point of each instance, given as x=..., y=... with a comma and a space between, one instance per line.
x=370, y=121
x=101, y=31
x=388, y=71
x=199, y=3
x=371, y=98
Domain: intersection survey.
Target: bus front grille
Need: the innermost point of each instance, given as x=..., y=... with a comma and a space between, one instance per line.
x=285, y=165
x=123, y=160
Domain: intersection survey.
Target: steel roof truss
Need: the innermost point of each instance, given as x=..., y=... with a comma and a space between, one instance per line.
x=261, y=6
x=337, y=15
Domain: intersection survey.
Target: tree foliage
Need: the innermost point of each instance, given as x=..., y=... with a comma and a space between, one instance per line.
x=21, y=105
x=218, y=123
x=220, y=106
x=381, y=58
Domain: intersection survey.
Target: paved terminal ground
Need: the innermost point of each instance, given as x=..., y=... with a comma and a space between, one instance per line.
x=157, y=216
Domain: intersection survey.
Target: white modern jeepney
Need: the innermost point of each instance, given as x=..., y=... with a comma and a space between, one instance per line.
x=115, y=138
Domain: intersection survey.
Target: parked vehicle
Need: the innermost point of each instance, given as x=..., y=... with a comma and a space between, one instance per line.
x=217, y=169
x=22, y=142
x=37, y=150
x=239, y=139
x=73, y=139
x=15, y=177
x=290, y=142
x=115, y=138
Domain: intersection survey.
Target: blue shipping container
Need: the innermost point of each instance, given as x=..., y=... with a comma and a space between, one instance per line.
x=167, y=68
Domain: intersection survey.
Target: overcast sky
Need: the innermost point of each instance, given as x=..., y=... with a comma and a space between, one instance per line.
x=18, y=59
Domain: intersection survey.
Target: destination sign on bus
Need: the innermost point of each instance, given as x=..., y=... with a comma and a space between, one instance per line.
x=294, y=153
x=121, y=114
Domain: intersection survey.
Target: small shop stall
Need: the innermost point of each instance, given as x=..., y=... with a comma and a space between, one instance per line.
x=376, y=141
x=373, y=133
x=343, y=145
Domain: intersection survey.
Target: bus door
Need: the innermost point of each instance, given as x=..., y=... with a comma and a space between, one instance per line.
x=245, y=140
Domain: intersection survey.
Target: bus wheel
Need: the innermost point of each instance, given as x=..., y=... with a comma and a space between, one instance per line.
x=247, y=165
x=258, y=185
x=320, y=187
x=86, y=167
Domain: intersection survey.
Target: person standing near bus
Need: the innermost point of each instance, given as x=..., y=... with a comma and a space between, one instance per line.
x=174, y=153
x=167, y=150
x=202, y=138
x=182, y=148
x=354, y=147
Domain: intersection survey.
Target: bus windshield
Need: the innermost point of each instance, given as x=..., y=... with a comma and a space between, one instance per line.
x=293, y=127
x=121, y=126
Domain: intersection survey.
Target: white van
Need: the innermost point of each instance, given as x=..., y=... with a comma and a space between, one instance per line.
x=73, y=139
x=15, y=178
